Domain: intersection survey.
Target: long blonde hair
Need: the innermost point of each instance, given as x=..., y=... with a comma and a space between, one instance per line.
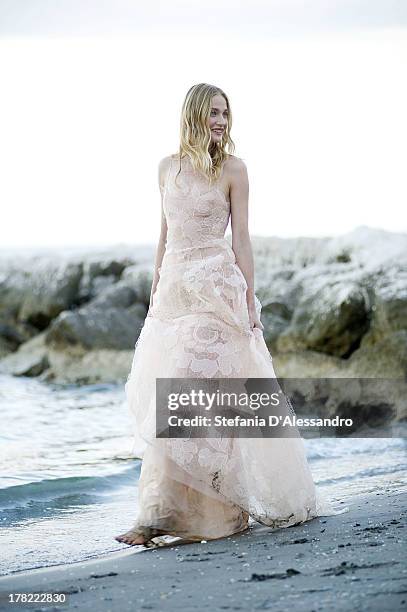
x=195, y=135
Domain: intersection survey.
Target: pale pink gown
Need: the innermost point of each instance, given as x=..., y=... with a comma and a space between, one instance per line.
x=198, y=327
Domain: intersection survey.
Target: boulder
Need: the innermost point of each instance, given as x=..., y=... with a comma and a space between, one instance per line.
x=86, y=367
x=100, y=273
x=331, y=313
x=35, y=294
x=140, y=278
x=29, y=360
x=92, y=327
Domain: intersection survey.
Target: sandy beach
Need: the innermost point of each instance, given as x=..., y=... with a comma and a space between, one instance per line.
x=353, y=561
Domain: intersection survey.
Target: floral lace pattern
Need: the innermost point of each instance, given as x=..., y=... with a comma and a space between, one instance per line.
x=198, y=327
x=195, y=213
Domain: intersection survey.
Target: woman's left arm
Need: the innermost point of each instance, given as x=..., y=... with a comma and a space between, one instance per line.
x=241, y=244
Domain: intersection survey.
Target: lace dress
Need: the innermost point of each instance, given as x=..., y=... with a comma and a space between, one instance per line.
x=198, y=327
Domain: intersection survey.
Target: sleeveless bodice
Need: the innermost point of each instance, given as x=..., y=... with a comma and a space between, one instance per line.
x=197, y=214
x=199, y=279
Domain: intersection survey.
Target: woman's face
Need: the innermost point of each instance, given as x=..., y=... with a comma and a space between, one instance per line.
x=218, y=118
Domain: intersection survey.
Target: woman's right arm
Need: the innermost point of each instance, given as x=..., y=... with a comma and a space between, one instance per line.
x=163, y=167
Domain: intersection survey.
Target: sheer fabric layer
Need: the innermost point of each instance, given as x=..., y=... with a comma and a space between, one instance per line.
x=198, y=327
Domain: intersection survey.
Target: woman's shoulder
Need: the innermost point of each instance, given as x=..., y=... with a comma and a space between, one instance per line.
x=174, y=156
x=164, y=161
x=163, y=170
x=235, y=164
x=234, y=160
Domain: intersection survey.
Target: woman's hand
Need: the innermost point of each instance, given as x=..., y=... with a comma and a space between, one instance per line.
x=254, y=319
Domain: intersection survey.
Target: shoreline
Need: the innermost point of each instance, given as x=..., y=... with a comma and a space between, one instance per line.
x=354, y=560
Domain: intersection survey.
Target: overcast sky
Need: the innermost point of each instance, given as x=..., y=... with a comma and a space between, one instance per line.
x=92, y=92
x=39, y=18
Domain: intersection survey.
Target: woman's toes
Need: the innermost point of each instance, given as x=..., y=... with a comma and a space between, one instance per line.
x=138, y=541
x=128, y=538
x=121, y=538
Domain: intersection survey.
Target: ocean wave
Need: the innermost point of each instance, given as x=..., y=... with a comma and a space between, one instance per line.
x=367, y=473
x=337, y=448
x=18, y=496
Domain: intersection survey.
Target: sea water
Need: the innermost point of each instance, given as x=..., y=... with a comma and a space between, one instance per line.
x=68, y=480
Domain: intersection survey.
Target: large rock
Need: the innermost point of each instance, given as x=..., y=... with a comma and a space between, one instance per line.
x=13, y=333
x=100, y=273
x=92, y=327
x=32, y=295
x=51, y=290
x=331, y=312
x=368, y=402
x=83, y=367
x=140, y=278
x=40, y=291
x=36, y=287
x=388, y=303
x=31, y=359
x=386, y=358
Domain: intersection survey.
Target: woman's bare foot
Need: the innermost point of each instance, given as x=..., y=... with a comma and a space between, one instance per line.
x=132, y=537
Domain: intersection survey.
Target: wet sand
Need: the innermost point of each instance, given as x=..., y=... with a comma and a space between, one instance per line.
x=353, y=561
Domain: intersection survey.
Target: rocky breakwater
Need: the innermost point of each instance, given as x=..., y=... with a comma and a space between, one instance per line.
x=73, y=317
x=336, y=308
x=332, y=307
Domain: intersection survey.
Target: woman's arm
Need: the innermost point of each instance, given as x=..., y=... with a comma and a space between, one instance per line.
x=241, y=245
x=162, y=173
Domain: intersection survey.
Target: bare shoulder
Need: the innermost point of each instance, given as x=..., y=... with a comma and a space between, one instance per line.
x=164, y=162
x=235, y=165
x=236, y=172
x=163, y=167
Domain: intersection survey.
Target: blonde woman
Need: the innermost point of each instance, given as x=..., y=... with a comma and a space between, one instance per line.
x=204, y=322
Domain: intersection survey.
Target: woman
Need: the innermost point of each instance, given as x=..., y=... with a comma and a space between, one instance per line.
x=204, y=322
